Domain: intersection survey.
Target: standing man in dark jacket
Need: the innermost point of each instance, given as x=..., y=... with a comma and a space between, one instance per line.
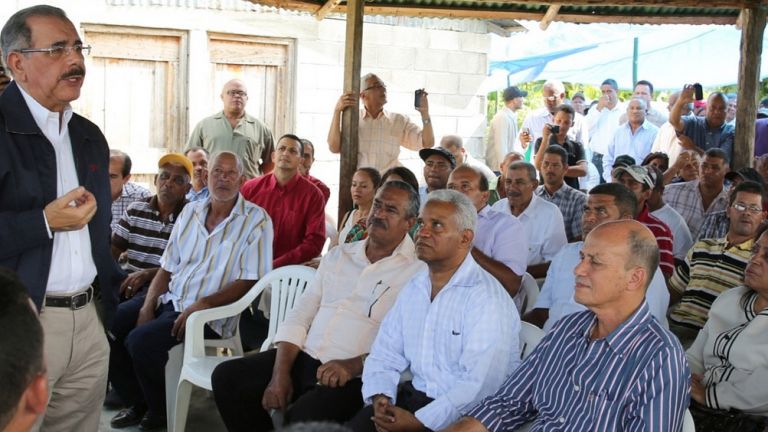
x=55, y=209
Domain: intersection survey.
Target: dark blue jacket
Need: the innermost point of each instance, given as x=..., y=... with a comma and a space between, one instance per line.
x=28, y=183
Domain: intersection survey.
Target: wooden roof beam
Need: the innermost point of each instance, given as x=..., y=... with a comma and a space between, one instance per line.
x=327, y=8
x=549, y=16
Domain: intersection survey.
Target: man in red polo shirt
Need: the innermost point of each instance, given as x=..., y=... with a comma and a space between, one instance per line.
x=295, y=205
x=640, y=181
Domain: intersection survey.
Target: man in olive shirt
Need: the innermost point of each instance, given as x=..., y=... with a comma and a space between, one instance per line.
x=234, y=130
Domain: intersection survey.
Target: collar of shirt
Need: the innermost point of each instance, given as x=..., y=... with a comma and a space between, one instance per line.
x=202, y=210
x=464, y=276
x=542, y=191
x=530, y=211
x=406, y=249
x=483, y=213
x=646, y=125
x=41, y=114
x=288, y=187
x=745, y=246
x=174, y=214
x=245, y=117
x=384, y=114
x=622, y=337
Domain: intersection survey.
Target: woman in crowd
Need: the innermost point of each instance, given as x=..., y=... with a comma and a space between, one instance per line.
x=729, y=359
x=402, y=174
x=365, y=181
x=658, y=159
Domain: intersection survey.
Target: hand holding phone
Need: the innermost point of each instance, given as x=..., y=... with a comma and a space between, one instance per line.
x=698, y=92
x=417, y=98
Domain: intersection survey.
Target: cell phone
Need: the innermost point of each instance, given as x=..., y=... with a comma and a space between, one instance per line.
x=698, y=91
x=417, y=98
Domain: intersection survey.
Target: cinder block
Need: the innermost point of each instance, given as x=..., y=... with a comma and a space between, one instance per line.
x=408, y=79
x=409, y=37
x=471, y=84
x=467, y=63
x=432, y=60
x=444, y=40
x=319, y=52
x=395, y=57
x=479, y=43
x=442, y=82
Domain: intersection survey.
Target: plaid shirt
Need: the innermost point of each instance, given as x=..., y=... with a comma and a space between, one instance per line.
x=715, y=225
x=571, y=203
x=130, y=194
x=686, y=199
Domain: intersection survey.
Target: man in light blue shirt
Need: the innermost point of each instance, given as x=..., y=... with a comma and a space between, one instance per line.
x=634, y=138
x=606, y=202
x=453, y=325
x=199, y=190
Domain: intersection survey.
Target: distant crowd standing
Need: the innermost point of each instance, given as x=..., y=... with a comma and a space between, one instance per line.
x=650, y=252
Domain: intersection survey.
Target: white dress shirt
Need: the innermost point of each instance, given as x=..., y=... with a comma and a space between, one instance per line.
x=560, y=284
x=460, y=346
x=682, y=241
x=602, y=125
x=502, y=237
x=625, y=142
x=339, y=314
x=544, y=226
x=72, y=267
x=502, y=137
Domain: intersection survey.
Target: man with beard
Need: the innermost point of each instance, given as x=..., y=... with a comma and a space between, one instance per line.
x=453, y=325
x=324, y=340
x=55, y=209
x=438, y=164
x=212, y=259
x=606, y=202
x=199, y=158
x=570, y=201
x=234, y=130
x=715, y=265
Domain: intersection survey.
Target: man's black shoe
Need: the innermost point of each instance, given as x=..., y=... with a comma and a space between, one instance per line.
x=127, y=417
x=152, y=422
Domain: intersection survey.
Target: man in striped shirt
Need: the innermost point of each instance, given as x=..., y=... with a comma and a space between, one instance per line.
x=715, y=265
x=213, y=257
x=143, y=231
x=613, y=367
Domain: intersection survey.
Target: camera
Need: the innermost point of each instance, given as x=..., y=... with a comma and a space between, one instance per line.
x=555, y=129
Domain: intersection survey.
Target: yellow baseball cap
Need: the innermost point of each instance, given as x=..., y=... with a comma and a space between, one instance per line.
x=176, y=158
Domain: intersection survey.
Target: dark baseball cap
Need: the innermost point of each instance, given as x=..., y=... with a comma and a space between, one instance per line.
x=425, y=153
x=514, y=92
x=623, y=160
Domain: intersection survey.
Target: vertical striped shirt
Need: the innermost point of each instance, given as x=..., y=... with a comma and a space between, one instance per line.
x=711, y=267
x=202, y=262
x=635, y=379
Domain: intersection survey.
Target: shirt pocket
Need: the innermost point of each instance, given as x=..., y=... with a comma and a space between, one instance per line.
x=534, y=253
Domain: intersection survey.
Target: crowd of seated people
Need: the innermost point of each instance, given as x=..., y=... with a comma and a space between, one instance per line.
x=413, y=319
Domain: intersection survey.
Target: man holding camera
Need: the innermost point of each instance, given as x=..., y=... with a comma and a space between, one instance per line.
x=703, y=133
x=557, y=133
x=381, y=133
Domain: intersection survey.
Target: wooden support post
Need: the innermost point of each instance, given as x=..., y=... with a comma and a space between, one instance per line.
x=327, y=8
x=549, y=16
x=353, y=52
x=752, y=28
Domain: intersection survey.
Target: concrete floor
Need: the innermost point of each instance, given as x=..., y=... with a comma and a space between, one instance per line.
x=203, y=415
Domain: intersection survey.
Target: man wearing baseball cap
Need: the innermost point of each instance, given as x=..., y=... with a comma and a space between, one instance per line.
x=502, y=135
x=438, y=164
x=142, y=235
x=641, y=182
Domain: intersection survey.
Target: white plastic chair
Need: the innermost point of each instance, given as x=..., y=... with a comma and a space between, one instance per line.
x=530, y=336
x=197, y=367
x=688, y=425
x=529, y=290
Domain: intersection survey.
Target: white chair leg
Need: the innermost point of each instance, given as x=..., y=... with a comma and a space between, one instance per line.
x=172, y=375
x=183, y=394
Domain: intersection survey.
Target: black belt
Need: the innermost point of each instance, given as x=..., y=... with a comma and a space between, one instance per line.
x=74, y=302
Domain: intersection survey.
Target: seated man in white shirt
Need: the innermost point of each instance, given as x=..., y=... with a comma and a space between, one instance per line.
x=453, y=325
x=606, y=202
x=542, y=220
x=500, y=241
x=324, y=340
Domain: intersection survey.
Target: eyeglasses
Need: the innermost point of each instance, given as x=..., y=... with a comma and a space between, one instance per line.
x=240, y=93
x=376, y=86
x=752, y=209
x=59, y=51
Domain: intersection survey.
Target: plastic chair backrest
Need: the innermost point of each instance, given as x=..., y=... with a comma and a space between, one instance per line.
x=287, y=283
x=530, y=289
x=530, y=336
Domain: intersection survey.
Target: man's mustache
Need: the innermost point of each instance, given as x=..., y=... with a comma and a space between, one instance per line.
x=75, y=71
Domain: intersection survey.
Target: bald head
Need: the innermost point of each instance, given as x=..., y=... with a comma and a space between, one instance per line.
x=642, y=250
x=234, y=95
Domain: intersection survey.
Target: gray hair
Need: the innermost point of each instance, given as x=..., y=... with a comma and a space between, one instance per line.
x=555, y=85
x=412, y=209
x=454, y=141
x=238, y=160
x=641, y=100
x=523, y=165
x=368, y=76
x=466, y=213
x=17, y=35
